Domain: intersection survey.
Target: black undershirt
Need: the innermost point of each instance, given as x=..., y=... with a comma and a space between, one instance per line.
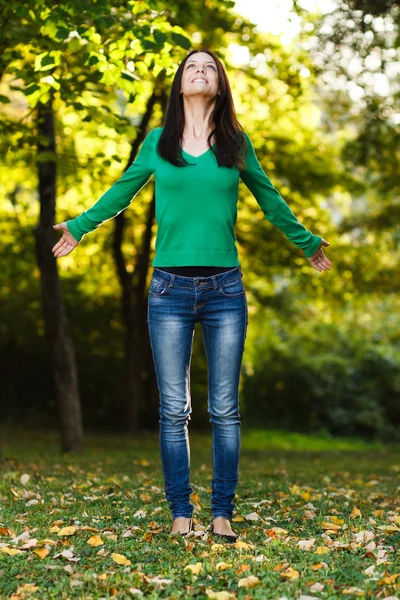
x=196, y=271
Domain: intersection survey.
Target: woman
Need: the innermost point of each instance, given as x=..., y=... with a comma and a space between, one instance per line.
x=197, y=159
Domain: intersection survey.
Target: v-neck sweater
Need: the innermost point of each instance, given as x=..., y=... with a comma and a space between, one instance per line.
x=196, y=206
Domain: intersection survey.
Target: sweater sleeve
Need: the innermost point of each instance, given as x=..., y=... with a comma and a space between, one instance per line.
x=274, y=207
x=119, y=196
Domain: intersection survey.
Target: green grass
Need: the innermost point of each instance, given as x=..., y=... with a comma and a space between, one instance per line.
x=291, y=486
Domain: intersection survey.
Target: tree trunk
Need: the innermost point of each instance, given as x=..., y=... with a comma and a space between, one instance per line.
x=140, y=382
x=61, y=351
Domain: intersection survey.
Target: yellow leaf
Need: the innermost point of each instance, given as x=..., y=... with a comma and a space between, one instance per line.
x=317, y=566
x=217, y=547
x=222, y=566
x=306, y=496
x=356, y=512
x=294, y=489
x=329, y=525
x=250, y=581
x=11, y=551
x=322, y=550
x=353, y=590
x=41, y=552
x=67, y=531
x=388, y=528
x=338, y=521
x=388, y=580
x=27, y=587
x=290, y=573
x=120, y=559
x=241, y=544
x=95, y=540
x=144, y=462
x=238, y=519
x=219, y=595
x=196, y=569
x=54, y=529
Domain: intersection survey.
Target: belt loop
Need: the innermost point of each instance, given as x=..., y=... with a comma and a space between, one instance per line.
x=214, y=280
x=241, y=272
x=172, y=279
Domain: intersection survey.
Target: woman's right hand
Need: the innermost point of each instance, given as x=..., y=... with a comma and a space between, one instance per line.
x=66, y=243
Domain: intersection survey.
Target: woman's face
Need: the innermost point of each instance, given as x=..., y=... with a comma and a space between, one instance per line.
x=200, y=76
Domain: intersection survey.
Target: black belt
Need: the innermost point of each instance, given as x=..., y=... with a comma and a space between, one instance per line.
x=196, y=271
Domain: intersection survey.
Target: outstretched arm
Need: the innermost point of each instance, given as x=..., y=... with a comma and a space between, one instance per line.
x=276, y=210
x=119, y=196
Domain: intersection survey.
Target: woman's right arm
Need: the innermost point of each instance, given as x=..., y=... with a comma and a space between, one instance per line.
x=120, y=195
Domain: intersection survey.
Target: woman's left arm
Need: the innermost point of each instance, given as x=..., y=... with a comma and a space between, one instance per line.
x=277, y=211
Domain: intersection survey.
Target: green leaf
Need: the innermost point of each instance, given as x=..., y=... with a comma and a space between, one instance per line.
x=93, y=60
x=181, y=40
x=160, y=37
x=31, y=89
x=4, y=99
x=62, y=33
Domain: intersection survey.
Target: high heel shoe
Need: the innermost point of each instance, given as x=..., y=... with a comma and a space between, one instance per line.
x=229, y=538
x=191, y=528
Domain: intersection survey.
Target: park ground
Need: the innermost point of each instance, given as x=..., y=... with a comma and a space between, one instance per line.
x=318, y=517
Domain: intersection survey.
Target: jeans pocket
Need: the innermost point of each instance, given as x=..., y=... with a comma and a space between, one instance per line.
x=232, y=288
x=158, y=287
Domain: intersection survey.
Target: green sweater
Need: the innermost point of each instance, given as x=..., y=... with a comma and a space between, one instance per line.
x=196, y=206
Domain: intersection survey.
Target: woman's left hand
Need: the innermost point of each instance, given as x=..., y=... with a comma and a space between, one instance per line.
x=318, y=260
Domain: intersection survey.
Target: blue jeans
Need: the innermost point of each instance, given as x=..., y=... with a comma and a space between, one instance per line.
x=175, y=304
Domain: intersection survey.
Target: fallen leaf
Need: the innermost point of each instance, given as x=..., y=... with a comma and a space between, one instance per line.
x=306, y=544
x=252, y=516
x=27, y=587
x=222, y=566
x=219, y=595
x=250, y=581
x=95, y=540
x=11, y=551
x=322, y=550
x=67, y=531
x=330, y=525
x=364, y=536
x=120, y=559
x=290, y=573
x=388, y=580
x=196, y=569
x=41, y=552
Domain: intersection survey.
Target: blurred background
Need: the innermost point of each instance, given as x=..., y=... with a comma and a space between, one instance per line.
x=316, y=86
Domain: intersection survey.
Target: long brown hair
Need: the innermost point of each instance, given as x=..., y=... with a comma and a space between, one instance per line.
x=230, y=142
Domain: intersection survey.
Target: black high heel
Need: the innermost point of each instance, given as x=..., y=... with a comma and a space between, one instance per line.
x=191, y=528
x=229, y=538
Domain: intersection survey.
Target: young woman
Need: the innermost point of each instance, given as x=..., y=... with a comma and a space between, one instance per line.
x=197, y=158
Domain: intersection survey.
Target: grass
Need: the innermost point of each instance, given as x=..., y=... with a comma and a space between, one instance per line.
x=316, y=516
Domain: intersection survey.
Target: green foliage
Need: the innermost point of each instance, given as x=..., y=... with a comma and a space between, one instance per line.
x=322, y=349
x=328, y=378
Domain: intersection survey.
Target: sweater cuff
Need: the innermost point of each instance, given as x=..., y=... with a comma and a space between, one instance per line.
x=313, y=245
x=73, y=229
